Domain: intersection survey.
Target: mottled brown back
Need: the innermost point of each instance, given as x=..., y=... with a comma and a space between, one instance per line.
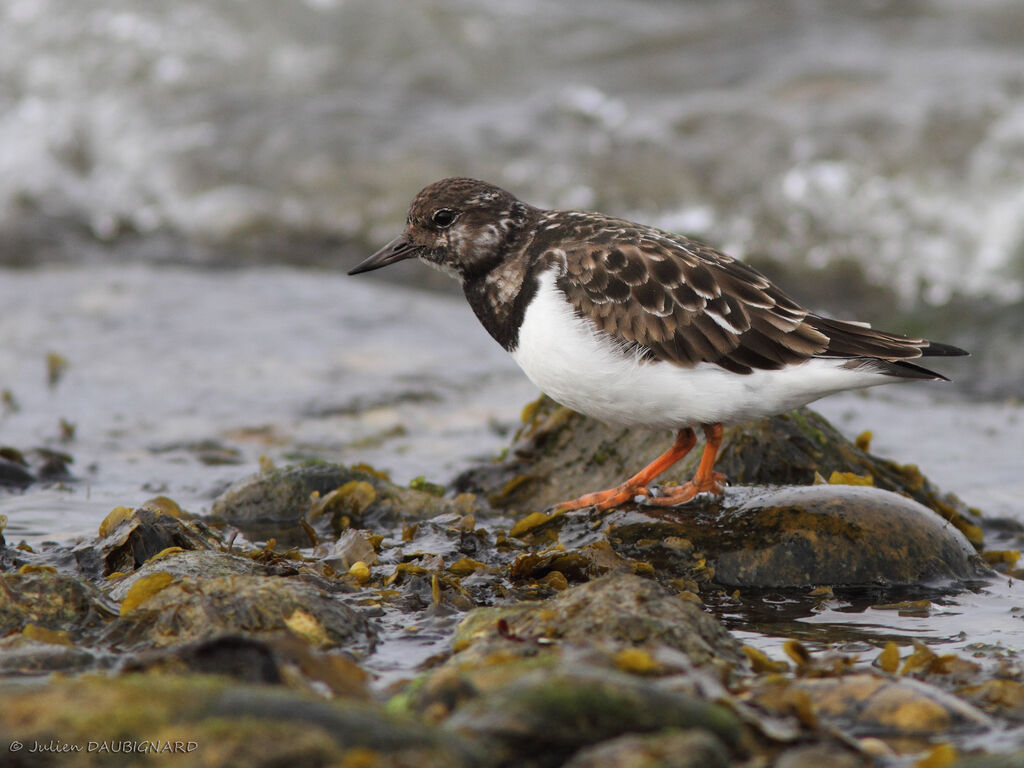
x=682, y=302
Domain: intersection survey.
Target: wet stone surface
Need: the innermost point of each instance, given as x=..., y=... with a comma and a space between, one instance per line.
x=559, y=454
x=20, y=469
x=272, y=504
x=812, y=535
x=324, y=615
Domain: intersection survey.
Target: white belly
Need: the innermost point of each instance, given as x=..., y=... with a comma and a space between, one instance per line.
x=570, y=360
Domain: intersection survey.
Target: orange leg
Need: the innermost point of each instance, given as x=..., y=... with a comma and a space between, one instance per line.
x=705, y=479
x=637, y=484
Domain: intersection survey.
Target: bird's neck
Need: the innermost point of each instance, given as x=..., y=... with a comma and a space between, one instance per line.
x=499, y=297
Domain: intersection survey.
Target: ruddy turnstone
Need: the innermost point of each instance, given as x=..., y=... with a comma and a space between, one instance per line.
x=641, y=327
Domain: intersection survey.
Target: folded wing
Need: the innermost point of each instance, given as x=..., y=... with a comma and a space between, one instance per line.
x=675, y=300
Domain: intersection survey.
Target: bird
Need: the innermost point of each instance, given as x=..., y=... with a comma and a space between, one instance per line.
x=641, y=327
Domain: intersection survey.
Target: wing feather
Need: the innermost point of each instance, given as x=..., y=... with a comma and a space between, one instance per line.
x=682, y=302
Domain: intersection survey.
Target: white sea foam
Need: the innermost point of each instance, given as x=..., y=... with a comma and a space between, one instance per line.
x=805, y=132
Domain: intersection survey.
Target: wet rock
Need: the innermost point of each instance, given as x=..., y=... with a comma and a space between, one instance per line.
x=330, y=496
x=351, y=547
x=19, y=470
x=871, y=705
x=14, y=474
x=246, y=659
x=560, y=454
x=196, y=565
x=818, y=755
x=274, y=659
x=805, y=536
x=665, y=749
x=615, y=611
x=545, y=716
x=128, y=538
x=611, y=629
x=22, y=655
x=51, y=466
x=1008, y=760
x=161, y=610
x=1002, y=697
x=213, y=721
x=39, y=596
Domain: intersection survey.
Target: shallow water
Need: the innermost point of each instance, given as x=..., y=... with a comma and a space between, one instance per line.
x=173, y=372
x=887, y=133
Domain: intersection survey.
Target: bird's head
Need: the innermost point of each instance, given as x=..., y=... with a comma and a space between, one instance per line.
x=463, y=227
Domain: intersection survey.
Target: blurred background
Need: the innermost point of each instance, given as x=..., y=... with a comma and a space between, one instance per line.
x=870, y=155
x=165, y=167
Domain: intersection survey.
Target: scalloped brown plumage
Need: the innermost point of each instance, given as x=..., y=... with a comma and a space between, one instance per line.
x=682, y=302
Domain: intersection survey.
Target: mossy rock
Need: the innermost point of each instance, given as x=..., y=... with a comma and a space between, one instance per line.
x=162, y=610
x=873, y=705
x=670, y=748
x=544, y=717
x=193, y=565
x=44, y=598
x=612, y=625
x=216, y=721
x=14, y=474
x=128, y=538
x=798, y=536
x=615, y=611
x=559, y=454
x=329, y=497
x=37, y=651
x=273, y=659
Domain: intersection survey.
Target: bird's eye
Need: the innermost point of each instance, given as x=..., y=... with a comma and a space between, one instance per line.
x=444, y=217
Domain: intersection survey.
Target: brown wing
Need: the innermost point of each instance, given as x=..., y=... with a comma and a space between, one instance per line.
x=680, y=301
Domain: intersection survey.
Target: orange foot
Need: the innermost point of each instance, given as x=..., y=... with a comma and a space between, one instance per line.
x=672, y=497
x=704, y=480
x=637, y=484
x=603, y=500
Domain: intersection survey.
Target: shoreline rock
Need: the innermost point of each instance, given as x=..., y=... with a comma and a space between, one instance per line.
x=530, y=637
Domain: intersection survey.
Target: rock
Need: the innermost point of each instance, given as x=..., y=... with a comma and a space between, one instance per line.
x=50, y=466
x=1009, y=760
x=818, y=755
x=196, y=565
x=131, y=537
x=20, y=470
x=23, y=654
x=613, y=611
x=275, y=659
x=670, y=748
x=271, y=504
x=545, y=716
x=40, y=596
x=614, y=628
x=170, y=611
x=14, y=474
x=351, y=547
x=1002, y=697
x=872, y=705
x=797, y=536
x=213, y=721
x=560, y=455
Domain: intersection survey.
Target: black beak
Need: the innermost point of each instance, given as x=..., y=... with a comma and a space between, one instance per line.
x=398, y=249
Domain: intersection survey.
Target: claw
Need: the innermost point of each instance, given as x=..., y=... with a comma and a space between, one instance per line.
x=675, y=496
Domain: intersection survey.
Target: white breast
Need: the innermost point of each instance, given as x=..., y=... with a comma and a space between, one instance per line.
x=571, y=360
